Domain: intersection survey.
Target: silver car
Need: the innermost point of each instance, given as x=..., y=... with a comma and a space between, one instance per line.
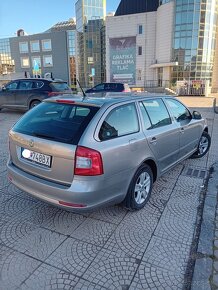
x=83, y=153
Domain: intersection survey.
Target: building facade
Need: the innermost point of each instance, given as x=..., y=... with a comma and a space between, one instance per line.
x=90, y=26
x=52, y=53
x=174, y=41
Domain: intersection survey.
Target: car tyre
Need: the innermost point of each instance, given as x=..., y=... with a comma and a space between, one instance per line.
x=203, y=146
x=140, y=188
x=34, y=103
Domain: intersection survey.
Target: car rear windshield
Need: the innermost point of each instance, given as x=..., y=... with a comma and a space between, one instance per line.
x=56, y=121
x=59, y=86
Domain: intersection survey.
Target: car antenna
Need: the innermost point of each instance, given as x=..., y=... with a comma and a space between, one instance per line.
x=84, y=95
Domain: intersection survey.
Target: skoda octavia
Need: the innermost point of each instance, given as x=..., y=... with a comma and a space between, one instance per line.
x=83, y=153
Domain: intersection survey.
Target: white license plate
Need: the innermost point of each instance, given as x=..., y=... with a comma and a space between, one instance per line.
x=36, y=157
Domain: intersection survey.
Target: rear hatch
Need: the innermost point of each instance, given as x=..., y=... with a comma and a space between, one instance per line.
x=59, y=87
x=44, y=141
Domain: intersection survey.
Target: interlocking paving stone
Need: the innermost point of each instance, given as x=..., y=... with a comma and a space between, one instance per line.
x=86, y=285
x=166, y=254
x=111, y=270
x=188, y=184
x=50, y=278
x=132, y=242
x=154, y=277
x=40, y=243
x=64, y=222
x=16, y=205
x=73, y=256
x=4, y=180
x=28, y=238
x=113, y=214
x=94, y=231
x=178, y=207
x=14, y=268
x=175, y=229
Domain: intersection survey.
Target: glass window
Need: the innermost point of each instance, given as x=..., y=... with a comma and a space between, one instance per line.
x=120, y=121
x=46, y=44
x=157, y=112
x=38, y=84
x=179, y=111
x=12, y=86
x=34, y=46
x=36, y=62
x=47, y=60
x=55, y=121
x=25, y=85
x=140, y=50
x=23, y=46
x=59, y=86
x=140, y=29
x=99, y=87
x=146, y=120
x=25, y=62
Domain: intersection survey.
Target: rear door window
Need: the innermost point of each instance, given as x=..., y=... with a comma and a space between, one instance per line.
x=157, y=113
x=55, y=121
x=26, y=85
x=121, y=121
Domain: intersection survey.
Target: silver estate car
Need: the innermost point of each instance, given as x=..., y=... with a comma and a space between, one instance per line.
x=82, y=153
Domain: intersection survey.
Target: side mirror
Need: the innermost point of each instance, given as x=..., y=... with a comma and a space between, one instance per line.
x=196, y=115
x=3, y=88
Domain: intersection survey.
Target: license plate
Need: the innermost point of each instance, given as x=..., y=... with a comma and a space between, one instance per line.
x=36, y=157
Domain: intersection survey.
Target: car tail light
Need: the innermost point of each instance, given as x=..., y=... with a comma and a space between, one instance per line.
x=65, y=102
x=88, y=162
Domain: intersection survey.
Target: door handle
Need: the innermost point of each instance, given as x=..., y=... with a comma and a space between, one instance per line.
x=182, y=130
x=153, y=140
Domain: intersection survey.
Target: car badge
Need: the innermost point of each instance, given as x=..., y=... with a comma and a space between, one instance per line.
x=31, y=143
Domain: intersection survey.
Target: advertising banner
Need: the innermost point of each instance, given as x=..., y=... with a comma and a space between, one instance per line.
x=123, y=60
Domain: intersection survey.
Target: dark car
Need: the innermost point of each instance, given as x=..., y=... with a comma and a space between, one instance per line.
x=109, y=87
x=27, y=93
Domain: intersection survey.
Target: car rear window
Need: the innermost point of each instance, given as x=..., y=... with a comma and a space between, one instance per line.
x=59, y=86
x=56, y=121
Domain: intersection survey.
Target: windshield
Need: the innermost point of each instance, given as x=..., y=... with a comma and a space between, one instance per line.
x=55, y=121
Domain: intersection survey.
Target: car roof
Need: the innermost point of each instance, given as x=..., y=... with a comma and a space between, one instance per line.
x=39, y=79
x=110, y=98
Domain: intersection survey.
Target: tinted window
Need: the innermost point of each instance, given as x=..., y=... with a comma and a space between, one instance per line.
x=99, y=87
x=12, y=86
x=25, y=85
x=120, y=121
x=59, y=87
x=114, y=87
x=179, y=111
x=157, y=112
x=55, y=121
x=38, y=84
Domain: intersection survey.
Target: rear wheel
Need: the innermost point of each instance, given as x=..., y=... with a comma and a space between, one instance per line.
x=140, y=188
x=203, y=146
x=34, y=103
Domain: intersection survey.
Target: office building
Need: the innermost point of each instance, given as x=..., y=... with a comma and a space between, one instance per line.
x=160, y=43
x=51, y=53
x=90, y=26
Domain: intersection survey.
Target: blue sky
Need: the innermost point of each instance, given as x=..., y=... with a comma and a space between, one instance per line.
x=35, y=16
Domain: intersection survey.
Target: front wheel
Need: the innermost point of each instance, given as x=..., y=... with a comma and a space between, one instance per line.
x=203, y=146
x=140, y=188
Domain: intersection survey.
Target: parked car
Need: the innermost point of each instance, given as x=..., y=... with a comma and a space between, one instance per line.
x=110, y=87
x=88, y=152
x=27, y=93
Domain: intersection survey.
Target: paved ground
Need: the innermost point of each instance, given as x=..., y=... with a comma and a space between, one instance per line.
x=42, y=247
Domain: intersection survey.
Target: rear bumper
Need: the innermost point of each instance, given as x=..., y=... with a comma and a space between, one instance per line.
x=84, y=194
